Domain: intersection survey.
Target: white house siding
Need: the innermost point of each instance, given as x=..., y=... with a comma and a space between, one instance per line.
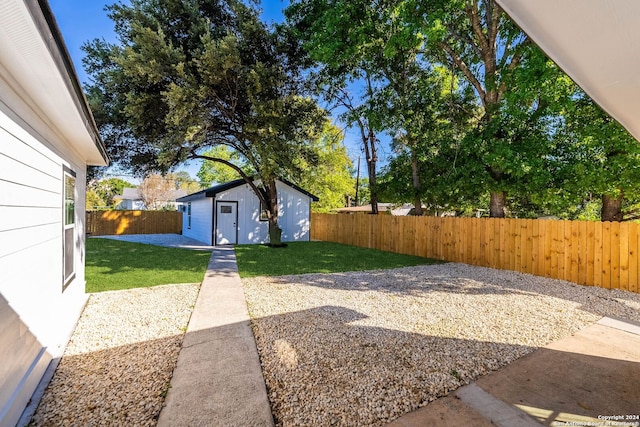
x=37, y=317
x=293, y=214
x=250, y=228
x=201, y=220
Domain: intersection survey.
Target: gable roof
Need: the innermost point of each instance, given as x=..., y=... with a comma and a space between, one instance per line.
x=36, y=65
x=216, y=189
x=596, y=42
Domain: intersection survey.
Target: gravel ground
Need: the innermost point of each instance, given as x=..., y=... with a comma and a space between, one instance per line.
x=118, y=364
x=363, y=348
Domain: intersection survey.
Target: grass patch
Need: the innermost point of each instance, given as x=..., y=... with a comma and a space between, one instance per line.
x=115, y=265
x=318, y=257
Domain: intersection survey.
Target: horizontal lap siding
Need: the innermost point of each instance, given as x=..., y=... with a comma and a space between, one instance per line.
x=37, y=316
x=588, y=253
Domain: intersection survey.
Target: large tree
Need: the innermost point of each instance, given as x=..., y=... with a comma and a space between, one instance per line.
x=513, y=83
x=331, y=178
x=190, y=75
x=597, y=158
x=343, y=77
x=156, y=191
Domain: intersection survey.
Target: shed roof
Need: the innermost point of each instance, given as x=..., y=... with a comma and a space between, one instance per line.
x=212, y=191
x=596, y=42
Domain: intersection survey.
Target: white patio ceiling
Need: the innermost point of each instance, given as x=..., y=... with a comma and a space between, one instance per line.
x=596, y=42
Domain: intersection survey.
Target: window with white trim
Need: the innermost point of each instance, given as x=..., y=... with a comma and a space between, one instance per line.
x=264, y=216
x=69, y=227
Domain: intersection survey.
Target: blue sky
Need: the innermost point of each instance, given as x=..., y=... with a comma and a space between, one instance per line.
x=84, y=20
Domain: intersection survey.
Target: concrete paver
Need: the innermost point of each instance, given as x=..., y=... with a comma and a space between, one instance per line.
x=446, y=411
x=593, y=373
x=218, y=379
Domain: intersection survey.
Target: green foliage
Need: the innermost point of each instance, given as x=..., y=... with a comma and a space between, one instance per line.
x=217, y=173
x=595, y=155
x=184, y=181
x=94, y=201
x=338, y=38
x=331, y=178
x=107, y=189
x=318, y=257
x=114, y=265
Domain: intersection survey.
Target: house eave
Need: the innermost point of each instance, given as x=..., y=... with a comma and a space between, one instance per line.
x=36, y=65
x=596, y=42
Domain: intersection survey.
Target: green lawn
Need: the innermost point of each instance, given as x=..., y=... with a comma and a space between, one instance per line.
x=317, y=257
x=113, y=265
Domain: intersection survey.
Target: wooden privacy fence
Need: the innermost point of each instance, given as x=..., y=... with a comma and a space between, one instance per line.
x=603, y=254
x=105, y=223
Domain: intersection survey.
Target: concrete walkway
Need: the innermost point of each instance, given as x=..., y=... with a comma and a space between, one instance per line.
x=218, y=379
x=573, y=381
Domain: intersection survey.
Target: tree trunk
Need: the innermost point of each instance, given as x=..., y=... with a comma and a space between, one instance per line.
x=498, y=204
x=372, y=157
x=275, y=232
x=612, y=208
x=417, y=202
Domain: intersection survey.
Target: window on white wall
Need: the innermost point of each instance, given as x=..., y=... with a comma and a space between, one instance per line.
x=69, y=222
x=189, y=215
x=263, y=212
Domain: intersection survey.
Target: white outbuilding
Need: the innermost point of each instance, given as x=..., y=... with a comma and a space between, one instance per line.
x=231, y=213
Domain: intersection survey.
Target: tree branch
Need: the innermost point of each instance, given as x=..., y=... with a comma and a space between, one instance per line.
x=466, y=71
x=472, y=9
x=513, y=64
x=247, y=178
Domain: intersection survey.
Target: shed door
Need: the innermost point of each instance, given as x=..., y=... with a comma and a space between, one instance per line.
x=226, y=223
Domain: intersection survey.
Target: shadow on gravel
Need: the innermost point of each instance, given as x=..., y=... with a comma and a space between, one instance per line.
x=323, y=368
x=471, y=280
x=123, y=385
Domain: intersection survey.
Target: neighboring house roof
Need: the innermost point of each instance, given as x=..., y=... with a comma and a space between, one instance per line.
x=596, y=42
x=396, y=210
x=36, y=63
x=211, y=192
x=131, y=193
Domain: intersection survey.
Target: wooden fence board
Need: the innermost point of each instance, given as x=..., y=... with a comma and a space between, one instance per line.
x=598, y=271
x=535, y=248
x=634, y=264
x=584, y=252
x=623, y=257
x=104, y=223
x=614, y=281
x=606, y=255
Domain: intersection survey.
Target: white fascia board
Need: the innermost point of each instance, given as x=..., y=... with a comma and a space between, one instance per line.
x=596, y=42
x=38, y=80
